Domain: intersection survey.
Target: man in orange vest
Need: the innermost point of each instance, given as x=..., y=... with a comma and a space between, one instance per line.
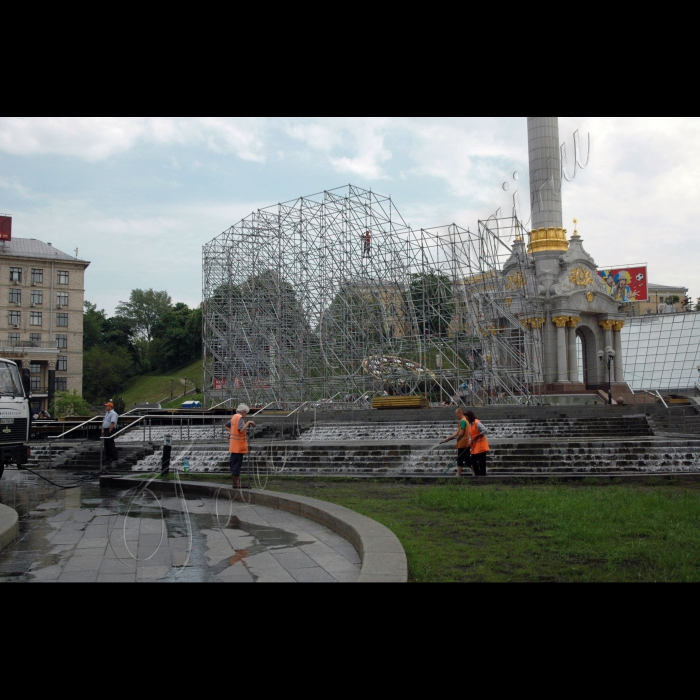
x=238, y=447
x=463, y=443
x=479, y=444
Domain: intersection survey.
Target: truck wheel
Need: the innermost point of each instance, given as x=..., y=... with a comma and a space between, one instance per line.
x=2, y=469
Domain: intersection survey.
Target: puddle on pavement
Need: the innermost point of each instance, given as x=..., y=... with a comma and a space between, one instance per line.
x=42, y=508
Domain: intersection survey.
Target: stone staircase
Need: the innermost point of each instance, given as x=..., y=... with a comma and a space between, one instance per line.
x=612, y=426
x=685, y=421
x=602, y=445
x=86, y=457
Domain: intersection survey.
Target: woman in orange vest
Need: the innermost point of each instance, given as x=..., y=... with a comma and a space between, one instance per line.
x=238, y=446
x=479, y=444
x=463, y=442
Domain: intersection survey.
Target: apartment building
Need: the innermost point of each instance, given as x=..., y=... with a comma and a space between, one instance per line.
x=42, y=293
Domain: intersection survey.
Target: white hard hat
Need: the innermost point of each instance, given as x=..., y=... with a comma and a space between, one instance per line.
x=243, y=408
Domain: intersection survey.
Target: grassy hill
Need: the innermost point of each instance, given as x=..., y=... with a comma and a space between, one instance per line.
x=157, y=388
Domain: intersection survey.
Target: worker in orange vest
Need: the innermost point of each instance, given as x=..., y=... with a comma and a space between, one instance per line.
x=479, y=444
x=463, y=442
x=238, y=446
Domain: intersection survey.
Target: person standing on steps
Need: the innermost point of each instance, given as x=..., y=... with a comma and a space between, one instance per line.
x=464, y=457
x=238, y=427
x=109, y=427
x=479, y=444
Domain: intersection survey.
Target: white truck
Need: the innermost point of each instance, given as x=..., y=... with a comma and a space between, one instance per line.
x=15, y=416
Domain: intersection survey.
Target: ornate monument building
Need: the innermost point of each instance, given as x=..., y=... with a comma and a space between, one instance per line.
x=576, y=304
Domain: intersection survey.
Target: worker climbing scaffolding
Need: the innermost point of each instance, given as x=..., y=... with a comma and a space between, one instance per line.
x=367, y=239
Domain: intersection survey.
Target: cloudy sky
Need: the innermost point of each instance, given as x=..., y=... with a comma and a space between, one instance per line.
x=139, y=196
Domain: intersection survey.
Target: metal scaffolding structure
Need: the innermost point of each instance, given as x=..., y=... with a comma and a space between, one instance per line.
x=335, y=298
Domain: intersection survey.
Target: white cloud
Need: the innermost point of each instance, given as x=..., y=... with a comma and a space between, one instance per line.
x=352, y=145
x=98, y=138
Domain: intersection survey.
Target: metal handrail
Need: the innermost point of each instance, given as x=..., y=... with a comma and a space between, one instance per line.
x=82, y=425
x=298, y=409
x=123, y=430
x=220, y=404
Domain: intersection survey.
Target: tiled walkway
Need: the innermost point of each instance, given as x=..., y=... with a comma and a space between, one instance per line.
x=95, y=535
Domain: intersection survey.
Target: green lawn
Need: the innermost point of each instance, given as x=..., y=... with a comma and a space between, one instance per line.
x=153, y=389
x=531, y=533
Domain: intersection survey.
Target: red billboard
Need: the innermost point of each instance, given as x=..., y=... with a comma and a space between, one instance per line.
x=626, y=284
x=5, y=228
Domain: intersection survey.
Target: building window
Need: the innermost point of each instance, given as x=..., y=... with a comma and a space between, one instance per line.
x=62, y=364
x=36, y=318
x=15, y=318
x=62, y=320
x=61, y=384
x=15, y=274
x=15, y=296
x=62, y=277
x=35, y=339
x=37, y=298
x=62, y=341
x=36, y=384
x=37, y=277
x=62, y=299
x=14, y=340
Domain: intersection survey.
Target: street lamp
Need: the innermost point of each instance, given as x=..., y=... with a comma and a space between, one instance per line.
x=610, y=353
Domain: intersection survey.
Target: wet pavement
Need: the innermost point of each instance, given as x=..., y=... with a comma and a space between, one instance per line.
x=90, y=534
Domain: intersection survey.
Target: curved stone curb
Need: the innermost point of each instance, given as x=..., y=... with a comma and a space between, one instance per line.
x=383, y=556
x=9, y=526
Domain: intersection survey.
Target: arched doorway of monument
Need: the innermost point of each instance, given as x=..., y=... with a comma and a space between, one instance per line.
x=589, y=357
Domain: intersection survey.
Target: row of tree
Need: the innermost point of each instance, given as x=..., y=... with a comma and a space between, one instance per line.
x=147, y=334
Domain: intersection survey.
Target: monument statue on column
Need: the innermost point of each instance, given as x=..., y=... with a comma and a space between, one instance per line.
x=575, y=302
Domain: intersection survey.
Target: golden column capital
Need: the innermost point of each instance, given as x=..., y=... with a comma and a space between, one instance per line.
x=607, y=325
x=618, y=326
x=560, y=321
x=538, y=323
x=574, y=321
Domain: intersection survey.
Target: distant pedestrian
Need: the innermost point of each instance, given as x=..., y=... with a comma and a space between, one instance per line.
x=238, y=427
x=479, y=444
x=109, y=427
x=463, y=442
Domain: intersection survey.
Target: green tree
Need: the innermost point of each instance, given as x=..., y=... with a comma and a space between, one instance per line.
x=106, y=371
x=145, y=309
x=432, y=296
x=68, y=405
x=93, y=326
x=177, y=338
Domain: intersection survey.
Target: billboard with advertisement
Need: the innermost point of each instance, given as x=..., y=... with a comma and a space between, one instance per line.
x=5, y=228
x=626, y=284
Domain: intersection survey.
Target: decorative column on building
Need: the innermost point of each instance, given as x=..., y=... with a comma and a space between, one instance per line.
x=537, y=324
x=619, y=362
x=52, y=382
x=607, y=326
x=561, y=322
x=573, y=349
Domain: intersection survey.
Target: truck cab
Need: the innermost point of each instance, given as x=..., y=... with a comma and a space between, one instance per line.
x=15, y=417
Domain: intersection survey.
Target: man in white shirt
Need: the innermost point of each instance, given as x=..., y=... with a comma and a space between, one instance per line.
x=109, y=427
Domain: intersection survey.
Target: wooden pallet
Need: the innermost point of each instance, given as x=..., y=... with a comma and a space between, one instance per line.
x=386, y=403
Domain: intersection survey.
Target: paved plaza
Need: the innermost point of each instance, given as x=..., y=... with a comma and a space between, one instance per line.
x=90, y=535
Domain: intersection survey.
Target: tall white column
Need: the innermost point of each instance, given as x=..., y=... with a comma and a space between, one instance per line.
x=562, y=349
x=545, y=172
x=619, y=359
x=573, y=349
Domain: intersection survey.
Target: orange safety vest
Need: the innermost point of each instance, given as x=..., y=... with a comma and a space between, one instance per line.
x=479, y=442
x=239, y=441
x=464, y=443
